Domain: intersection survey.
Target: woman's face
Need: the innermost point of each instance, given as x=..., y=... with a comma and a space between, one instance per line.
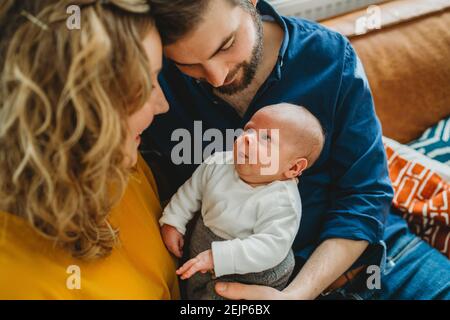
x=141, y=120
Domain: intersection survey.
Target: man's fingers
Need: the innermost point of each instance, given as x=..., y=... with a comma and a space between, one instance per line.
x=238, y=291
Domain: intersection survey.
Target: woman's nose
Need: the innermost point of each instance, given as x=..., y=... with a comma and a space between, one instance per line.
x=162, y=106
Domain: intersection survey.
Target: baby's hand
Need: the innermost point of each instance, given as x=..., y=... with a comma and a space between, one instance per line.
x=173, y=239
x=203, y=263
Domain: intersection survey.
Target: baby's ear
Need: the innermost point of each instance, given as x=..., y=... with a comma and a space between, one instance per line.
x=297, y=168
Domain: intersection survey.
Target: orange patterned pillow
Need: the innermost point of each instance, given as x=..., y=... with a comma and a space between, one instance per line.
x=423, y=198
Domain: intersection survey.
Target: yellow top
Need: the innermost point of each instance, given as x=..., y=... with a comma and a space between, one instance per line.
x=139, y=268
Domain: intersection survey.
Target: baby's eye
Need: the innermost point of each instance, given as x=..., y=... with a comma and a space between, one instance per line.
x=265, y=137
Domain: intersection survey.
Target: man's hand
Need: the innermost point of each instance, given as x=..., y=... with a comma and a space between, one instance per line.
x=239, y=291
x=203, y=262
x=173, y=240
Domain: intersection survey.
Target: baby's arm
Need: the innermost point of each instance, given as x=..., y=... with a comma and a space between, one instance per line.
x=185, y=202
x=267, y=247
x=181, y=208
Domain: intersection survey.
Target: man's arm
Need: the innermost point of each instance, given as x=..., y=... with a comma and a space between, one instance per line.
x=328, y=262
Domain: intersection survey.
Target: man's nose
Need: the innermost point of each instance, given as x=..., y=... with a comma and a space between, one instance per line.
x=215, y=74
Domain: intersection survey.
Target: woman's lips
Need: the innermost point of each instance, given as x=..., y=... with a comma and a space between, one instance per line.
x=138, y=139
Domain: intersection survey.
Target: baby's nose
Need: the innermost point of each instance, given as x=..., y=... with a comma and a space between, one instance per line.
x=248, y=139
x=249, y=135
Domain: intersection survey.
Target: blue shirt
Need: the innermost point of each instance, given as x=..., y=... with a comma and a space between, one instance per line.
x=347, y=192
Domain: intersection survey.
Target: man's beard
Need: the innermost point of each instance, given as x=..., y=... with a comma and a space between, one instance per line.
x=248, y=68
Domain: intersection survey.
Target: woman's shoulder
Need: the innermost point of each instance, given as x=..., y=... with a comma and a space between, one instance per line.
x=27, y=261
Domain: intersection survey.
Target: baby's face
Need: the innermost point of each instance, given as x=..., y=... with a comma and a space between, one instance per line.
x=261, y=153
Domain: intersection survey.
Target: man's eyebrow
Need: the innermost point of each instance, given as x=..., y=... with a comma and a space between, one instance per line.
x=224, y=42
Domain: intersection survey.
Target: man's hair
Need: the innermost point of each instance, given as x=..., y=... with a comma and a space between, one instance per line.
x=176, y=18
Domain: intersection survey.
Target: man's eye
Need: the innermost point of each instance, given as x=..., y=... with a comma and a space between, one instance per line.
x=265, y=137
x=228, y=46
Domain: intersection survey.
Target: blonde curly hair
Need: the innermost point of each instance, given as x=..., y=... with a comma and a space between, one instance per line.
x=65, y=96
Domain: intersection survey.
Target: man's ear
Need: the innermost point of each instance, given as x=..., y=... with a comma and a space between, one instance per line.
x=297, y=168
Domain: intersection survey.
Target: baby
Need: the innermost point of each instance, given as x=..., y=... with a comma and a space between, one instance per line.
x=249, y=201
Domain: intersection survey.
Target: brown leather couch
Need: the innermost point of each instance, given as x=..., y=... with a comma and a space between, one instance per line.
x=407, y=62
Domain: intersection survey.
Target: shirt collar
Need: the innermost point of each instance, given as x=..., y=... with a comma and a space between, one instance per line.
x=265, y=9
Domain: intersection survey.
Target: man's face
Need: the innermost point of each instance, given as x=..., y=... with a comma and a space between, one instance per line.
x=223, y=50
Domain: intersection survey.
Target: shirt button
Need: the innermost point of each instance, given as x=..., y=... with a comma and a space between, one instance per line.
x=281, y=63
x=216, y=102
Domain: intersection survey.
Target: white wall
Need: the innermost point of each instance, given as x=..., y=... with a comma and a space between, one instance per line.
x=319, y=9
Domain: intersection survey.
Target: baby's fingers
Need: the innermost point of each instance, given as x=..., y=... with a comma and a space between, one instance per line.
x=191, y=271
x=186, y=266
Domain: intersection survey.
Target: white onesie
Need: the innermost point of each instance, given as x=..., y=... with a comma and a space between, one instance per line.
x=259, y=223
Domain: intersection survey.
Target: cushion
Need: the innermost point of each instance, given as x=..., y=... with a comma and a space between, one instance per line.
x=421, y=195
x=435, y=142
x=410, y=154
x=407, y=63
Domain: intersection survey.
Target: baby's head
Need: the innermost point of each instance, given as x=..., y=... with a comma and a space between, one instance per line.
x=278, y=143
